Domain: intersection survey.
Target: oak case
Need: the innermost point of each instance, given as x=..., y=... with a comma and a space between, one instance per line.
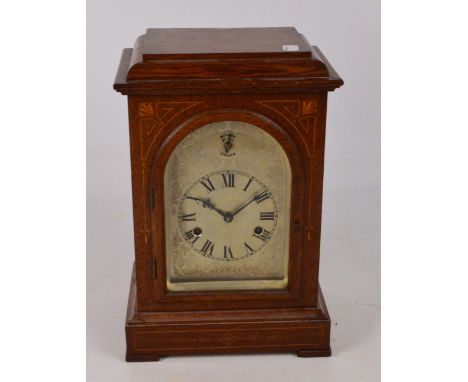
x=293, y=111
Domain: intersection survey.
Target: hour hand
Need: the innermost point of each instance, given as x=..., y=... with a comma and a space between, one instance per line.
x=207, y=204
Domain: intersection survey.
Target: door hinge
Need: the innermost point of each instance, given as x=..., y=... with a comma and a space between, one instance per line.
x=152, y=197
x=153, y=267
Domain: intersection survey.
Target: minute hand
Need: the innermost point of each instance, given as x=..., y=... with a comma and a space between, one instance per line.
x=246, y=204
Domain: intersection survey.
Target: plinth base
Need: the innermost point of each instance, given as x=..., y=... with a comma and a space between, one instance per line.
x=151, y=335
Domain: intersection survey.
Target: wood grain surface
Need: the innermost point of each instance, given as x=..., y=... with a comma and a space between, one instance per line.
x=177, y=81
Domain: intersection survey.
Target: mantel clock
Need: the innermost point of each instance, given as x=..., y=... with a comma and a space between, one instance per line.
x=227, y=135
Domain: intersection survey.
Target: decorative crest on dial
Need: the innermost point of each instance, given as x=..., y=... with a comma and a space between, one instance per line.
x=228, y=142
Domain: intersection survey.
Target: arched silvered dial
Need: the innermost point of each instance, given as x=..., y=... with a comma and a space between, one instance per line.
x=227, y=194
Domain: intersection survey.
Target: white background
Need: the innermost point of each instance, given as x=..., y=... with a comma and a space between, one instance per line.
x=349, y=35
x=42, y=203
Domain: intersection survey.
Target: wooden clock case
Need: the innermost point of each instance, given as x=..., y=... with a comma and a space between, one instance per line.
x=178, y=80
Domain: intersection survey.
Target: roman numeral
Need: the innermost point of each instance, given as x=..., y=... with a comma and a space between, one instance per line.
x=247, y=185
x=207, y=248
x=189, y=217
x=191, y=236
x=263, y=196
x=227, y=252
x=267, y=216
x=207, y=183
x=228, y=180
x=262, y=236
x=248, y=249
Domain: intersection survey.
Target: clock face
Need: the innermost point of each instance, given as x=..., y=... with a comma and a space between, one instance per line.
x=227, y=192
x=214, y=229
